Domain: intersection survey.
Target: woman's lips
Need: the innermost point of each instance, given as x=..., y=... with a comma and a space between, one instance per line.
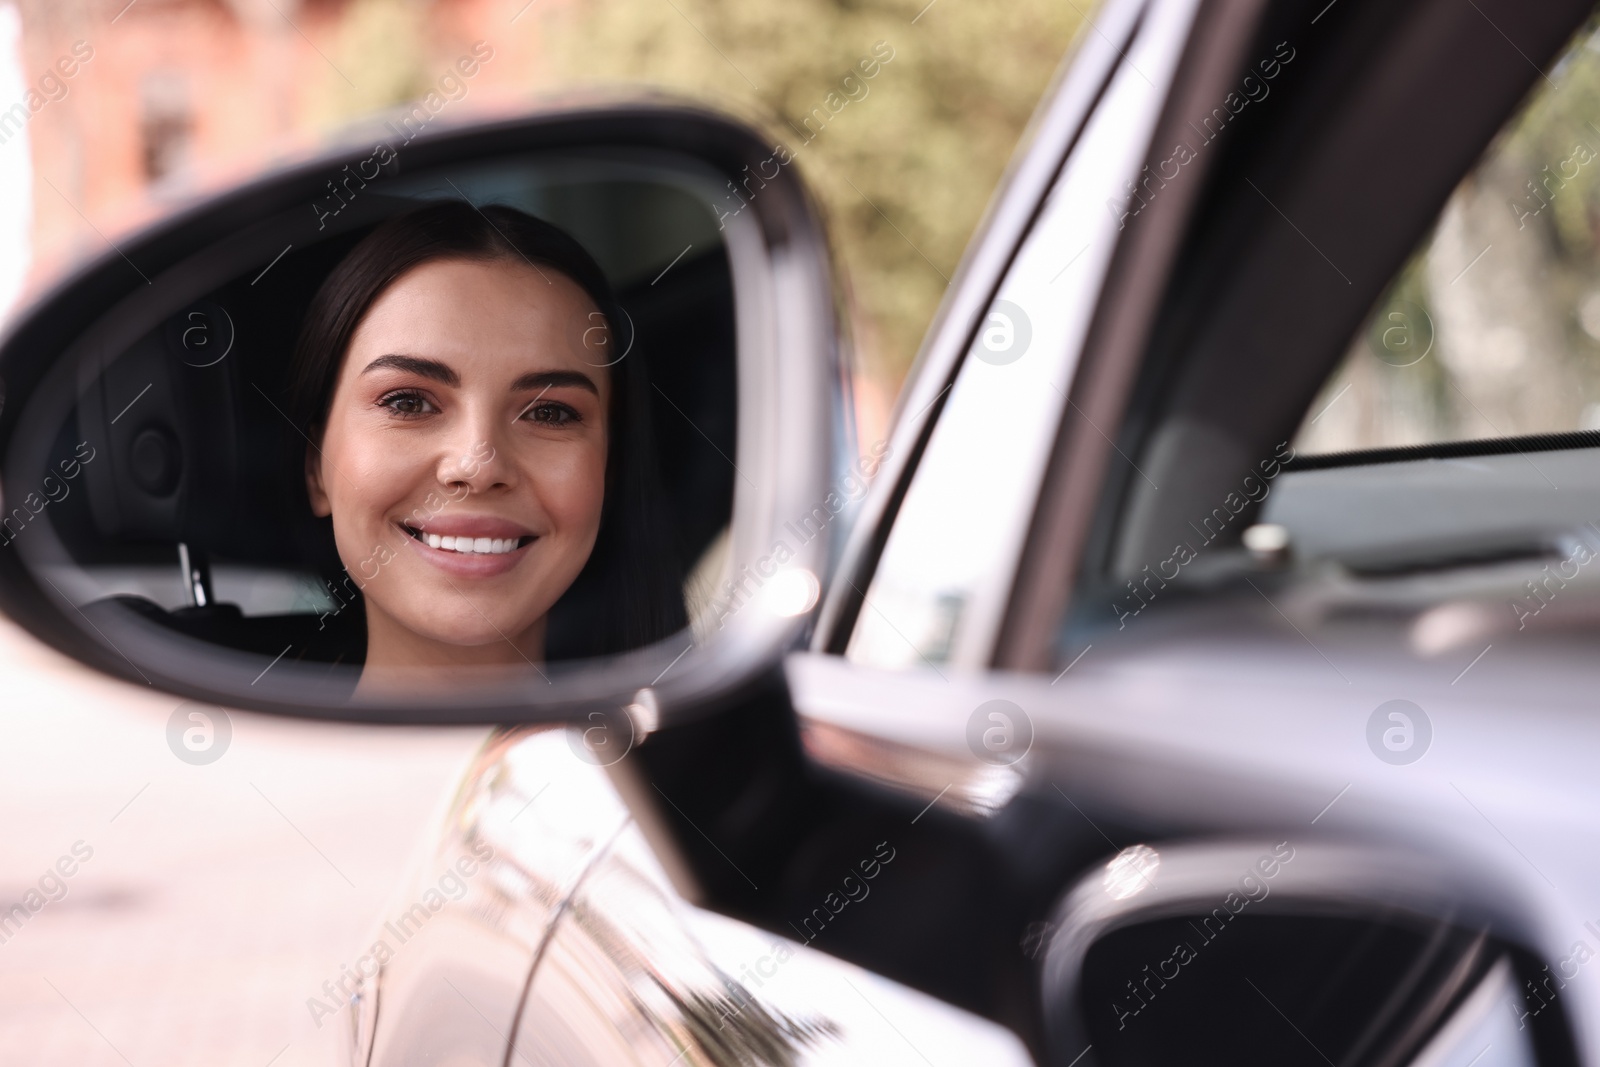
x=471, y=548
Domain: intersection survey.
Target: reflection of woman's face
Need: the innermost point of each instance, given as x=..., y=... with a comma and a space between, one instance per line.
x=464, y=459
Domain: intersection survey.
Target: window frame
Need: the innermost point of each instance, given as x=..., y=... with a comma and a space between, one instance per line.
x=1085, y=72
x=1196, y=317
x=978, y=557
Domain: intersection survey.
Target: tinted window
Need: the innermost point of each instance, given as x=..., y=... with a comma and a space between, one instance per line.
x=1493, y=328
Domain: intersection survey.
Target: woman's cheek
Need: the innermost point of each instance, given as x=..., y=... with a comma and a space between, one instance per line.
x=390, y=460
x=365, y=474
x=573, y=492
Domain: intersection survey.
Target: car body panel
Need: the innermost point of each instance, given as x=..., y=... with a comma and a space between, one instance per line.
x=571, y=946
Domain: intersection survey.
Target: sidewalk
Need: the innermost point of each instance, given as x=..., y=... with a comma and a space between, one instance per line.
x=216, y=899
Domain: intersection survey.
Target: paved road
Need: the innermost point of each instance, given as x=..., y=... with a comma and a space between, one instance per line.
x=217, y=898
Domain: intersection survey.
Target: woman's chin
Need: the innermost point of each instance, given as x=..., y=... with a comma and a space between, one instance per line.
x=476, y=640
x=429, y=682
x=445, y=628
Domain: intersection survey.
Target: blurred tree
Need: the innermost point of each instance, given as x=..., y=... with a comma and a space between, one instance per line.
x=904, y=169
x=377, y=60
x=1547, y=143
x=1507, y=285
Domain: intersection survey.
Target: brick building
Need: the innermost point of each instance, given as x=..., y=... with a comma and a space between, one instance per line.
x=126, y=110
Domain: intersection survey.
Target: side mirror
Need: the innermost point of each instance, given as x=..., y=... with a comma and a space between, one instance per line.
x=157, y=523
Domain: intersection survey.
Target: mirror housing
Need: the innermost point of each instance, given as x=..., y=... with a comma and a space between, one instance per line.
x=793, y=432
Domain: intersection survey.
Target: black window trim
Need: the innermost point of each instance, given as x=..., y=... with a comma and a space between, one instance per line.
x=1487, y=446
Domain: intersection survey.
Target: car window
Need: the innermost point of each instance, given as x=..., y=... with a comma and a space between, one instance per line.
x=1493, y=328
x=1442, y=478
x=941, y=585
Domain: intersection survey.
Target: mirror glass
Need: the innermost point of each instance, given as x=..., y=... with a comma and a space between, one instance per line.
x=468, y=425
x=1375, y=989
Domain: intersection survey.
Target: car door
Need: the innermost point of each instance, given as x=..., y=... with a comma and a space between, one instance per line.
x=1137, y=695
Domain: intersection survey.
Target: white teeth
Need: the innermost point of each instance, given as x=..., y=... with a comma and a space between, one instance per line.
x=492, y=546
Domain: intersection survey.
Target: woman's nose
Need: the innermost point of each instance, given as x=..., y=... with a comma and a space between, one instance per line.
x=477, y=460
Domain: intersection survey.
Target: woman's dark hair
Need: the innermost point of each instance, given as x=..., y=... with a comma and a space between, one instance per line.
x=630, y=592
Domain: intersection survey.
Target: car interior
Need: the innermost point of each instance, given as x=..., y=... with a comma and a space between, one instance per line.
x=190, y=511
x=1438, y=443
x=1371, y=400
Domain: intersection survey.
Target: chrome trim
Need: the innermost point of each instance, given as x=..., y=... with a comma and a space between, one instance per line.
x=968, y=786
x=858, y=720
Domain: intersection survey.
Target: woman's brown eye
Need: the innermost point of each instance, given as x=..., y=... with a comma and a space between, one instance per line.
x=406, y=404
x=553, y=414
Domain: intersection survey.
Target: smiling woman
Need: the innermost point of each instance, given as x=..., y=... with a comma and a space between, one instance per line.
x=477, y=434
x=477, y=447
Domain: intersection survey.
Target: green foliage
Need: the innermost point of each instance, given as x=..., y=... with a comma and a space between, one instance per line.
x=375, y=61
x=1518, y=343
x=903, y=171
x=1563, y=113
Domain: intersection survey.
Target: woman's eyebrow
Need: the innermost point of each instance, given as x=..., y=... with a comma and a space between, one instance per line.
x=548, y=379
x=427, y=368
